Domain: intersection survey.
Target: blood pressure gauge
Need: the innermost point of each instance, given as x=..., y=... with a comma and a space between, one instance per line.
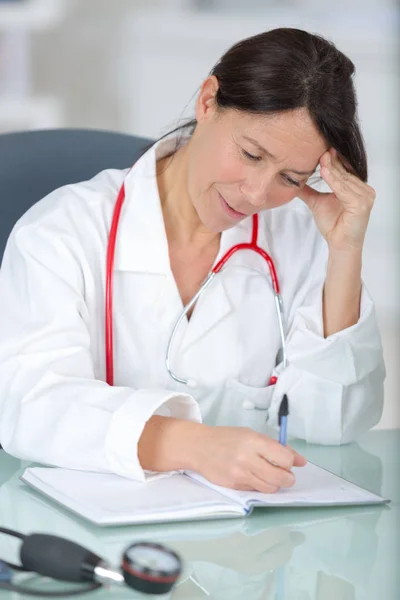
x=150, y=568
x=146, y=567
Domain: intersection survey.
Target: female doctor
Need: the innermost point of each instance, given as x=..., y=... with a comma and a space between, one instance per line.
x=274, y=108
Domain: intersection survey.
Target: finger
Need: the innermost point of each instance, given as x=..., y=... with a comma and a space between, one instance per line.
x=342, y=181
x=352, y=181
x=275, y=453
x=345, y=180
x=256, y=484
x=310, y=196
x=339, y=185
x=332, y=157
x=271, y=474
x=342, y=165
x=299, y=460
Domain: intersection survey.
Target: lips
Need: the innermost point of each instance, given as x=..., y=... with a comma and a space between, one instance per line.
x=231, y=211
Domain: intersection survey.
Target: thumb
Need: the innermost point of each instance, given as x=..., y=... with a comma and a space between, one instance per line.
x=310, y=196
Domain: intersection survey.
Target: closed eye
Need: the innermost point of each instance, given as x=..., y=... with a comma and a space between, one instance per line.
x=251, y=156
x=291, y=181
x=254, y=158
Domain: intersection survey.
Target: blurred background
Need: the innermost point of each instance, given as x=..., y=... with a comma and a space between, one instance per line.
x=136, y=65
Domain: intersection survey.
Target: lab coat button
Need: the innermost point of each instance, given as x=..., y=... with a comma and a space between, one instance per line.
x=248, y=404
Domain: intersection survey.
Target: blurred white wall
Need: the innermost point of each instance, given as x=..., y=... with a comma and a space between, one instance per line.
x=136, y=65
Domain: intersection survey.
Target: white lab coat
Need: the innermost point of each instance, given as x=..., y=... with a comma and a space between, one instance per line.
x=55, y=406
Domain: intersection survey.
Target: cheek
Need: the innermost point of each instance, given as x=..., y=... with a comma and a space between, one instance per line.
x=224, y=163
x=215, y=168
x=280, y=195
x=229, y=168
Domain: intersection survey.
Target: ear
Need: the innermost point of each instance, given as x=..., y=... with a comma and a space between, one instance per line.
x=205, y=103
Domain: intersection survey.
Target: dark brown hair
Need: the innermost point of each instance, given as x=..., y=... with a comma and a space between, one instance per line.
x=287, y=69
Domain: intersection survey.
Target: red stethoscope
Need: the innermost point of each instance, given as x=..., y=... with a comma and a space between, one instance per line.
x=109, y=345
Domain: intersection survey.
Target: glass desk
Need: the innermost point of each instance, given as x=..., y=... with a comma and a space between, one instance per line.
x=275, y=554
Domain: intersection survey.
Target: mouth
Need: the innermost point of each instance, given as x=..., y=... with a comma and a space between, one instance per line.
x=234, y=214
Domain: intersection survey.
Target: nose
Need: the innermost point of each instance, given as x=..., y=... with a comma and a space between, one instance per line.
x=255, y=188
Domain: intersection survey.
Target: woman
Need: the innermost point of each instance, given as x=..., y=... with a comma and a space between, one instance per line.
x=274, y=108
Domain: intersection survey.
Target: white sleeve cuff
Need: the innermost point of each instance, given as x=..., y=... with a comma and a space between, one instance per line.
x=128, y=421
x=344, y=357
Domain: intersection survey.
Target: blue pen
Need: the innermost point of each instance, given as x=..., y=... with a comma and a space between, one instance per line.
x=282, y=419
x=282, y=422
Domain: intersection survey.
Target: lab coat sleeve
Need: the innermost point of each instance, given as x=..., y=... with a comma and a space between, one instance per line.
x=52, y=408
x=334, y=384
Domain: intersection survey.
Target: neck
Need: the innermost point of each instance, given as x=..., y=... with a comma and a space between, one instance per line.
x=182, y=223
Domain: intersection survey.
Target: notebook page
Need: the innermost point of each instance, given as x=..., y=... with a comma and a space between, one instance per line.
x=314, y=487
x=110, y=499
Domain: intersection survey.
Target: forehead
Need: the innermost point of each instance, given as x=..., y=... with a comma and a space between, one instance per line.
x=290, y=135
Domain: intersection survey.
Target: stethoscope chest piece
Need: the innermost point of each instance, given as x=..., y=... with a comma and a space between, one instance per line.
x=151, y=568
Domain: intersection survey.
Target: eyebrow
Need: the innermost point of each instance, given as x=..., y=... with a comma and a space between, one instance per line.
x=249, y=139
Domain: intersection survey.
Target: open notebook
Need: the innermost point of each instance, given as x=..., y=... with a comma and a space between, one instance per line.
x=107, y=499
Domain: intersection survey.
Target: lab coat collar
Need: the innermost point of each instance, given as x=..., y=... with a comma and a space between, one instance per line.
x=141, y=240
x=142, y=244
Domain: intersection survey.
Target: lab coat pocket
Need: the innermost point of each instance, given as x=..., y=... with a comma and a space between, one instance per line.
x=250, y=404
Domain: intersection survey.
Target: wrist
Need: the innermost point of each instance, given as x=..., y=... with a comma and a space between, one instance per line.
x=345, y=253
x=344, y=271
x=342, y=291
x=169, y=444
x=198, y=441
x=185, y=442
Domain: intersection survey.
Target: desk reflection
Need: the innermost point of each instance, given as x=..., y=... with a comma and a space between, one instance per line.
x=275, y=554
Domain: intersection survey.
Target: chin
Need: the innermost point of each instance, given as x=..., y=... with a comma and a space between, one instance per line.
x=214, y=219
x=215, y=225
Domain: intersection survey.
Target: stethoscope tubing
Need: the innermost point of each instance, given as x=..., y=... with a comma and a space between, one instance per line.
x=110, y=256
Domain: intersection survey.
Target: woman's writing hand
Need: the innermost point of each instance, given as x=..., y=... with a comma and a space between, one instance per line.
x=242, y=459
